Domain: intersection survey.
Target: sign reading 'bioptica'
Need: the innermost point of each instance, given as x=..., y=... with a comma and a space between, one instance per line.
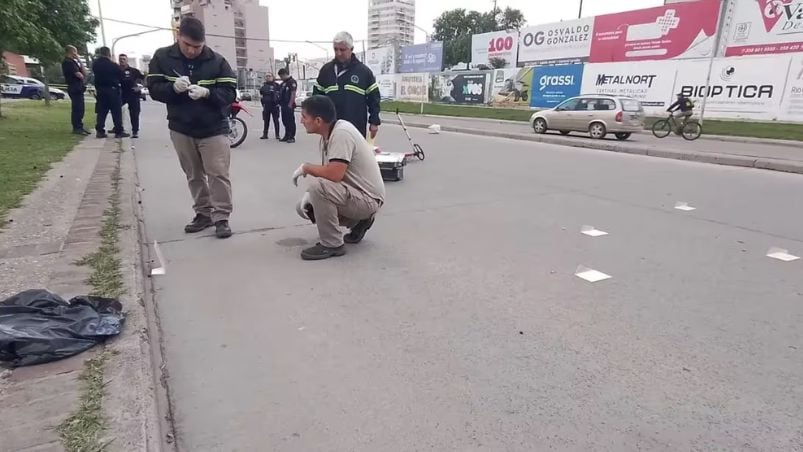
x=554, y=84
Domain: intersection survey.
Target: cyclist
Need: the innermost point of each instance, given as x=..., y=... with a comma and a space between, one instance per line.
x=682, y=108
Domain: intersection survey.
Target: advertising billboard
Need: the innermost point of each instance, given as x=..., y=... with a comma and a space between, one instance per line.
x=412, y=87
x=426, y=57
x=381, y=60
x=387, y=86
x=764, y=27
x=511, y=87
x=496, y=44
x=650, y=82
x=557, y=43
x=554, y=84
x=680, y=30
x=462, y=88
x=792, y=104
x=739, y=87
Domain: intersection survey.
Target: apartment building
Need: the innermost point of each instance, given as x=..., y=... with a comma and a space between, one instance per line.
x=237, y=29
x=390, y=22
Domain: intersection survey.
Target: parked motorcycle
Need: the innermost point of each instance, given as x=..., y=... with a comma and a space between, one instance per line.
x=238, y=130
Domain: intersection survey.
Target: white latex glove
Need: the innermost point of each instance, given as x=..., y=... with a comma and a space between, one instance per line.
x=181, y=84
x=198, y=92
x=301, y=207
x=298, y=173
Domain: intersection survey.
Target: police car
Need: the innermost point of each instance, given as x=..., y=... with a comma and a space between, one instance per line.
x=26, y=87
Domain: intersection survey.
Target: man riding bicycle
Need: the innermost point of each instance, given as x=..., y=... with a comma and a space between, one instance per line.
x=682, y=108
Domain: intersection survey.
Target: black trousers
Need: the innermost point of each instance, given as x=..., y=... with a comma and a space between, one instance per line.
x=109, y=101
x=269, y=111
x=289, y=121
x=77, y=110
x=134, y=107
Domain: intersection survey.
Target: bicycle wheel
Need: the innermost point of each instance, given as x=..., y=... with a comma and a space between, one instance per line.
x=238, y=132
x=662, y=128
x=692, y=131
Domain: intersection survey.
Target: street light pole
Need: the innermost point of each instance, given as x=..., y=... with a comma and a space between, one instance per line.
x=724, y=4
x=102, y=27
x=115, y=40
x=580, y=14
x=320, y=47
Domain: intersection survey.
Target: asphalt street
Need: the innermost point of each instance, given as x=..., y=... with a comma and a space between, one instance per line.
x=459, y=324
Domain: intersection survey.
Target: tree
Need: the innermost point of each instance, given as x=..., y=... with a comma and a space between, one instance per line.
x=42, y=28
x=456, y=26
x=497, y=63
x=511, y=19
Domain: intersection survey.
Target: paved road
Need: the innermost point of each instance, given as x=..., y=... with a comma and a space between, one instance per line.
x=458, y=325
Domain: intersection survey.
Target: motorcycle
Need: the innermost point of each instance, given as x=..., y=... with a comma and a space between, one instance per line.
x=238, y=130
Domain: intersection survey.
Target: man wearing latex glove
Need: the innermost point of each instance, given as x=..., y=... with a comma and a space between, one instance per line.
x=346, y=189
x=198, y=86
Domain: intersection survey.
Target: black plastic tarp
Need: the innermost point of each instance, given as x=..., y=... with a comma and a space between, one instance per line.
x=37, y=326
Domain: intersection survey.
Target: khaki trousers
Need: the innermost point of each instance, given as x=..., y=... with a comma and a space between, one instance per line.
x=206, y=162
x=337, y=204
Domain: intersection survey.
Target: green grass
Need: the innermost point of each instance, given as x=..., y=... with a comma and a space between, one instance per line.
x=770, y=130
x=32, y=138
x=81, y=431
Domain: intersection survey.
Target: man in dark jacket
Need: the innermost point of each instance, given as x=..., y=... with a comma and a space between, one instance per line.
x=130, y=88
x=351, y=86
x=287, y=103
x=75, y=75
x=198, y=86
x=107, y=86
x=269, y=94
x=682, y=109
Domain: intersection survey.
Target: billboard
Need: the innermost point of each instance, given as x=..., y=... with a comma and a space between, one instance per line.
x=557, y=43
x=651, y=82
x=426, y=57
x=381, y=60
x=387, y=86
x=496, y=44
x=412, y=87
x=739, y=87
x=792, y=105
x=554, y=84
x=462, y=88
x=680, y=30
x=765, y=26
x=511, y=87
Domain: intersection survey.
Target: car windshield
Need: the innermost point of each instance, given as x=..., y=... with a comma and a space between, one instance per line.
x=631, y=105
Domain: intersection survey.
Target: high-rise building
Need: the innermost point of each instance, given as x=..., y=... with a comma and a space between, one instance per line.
x=237, y=29
x=390, y=22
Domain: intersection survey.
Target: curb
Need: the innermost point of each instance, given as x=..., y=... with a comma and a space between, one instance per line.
x=787, y=166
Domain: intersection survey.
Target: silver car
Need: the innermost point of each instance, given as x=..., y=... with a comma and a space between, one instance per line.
x=597, y=115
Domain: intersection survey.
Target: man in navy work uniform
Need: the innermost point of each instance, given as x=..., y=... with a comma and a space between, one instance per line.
x=130, y=88
x=351, y=86
x=287, y=103
x=75, y=75
x=107, y=85
x=269, y=94
x=198, y=86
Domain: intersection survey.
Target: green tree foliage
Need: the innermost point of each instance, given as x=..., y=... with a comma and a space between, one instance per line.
x=455, y=27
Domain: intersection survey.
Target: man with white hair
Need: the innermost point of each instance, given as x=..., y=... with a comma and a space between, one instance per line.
x=351, y=86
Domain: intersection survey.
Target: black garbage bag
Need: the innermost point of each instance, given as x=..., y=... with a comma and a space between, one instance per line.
x=37, y=326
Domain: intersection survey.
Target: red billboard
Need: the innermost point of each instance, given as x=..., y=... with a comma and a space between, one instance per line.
x=679, y=30
x=766, y=26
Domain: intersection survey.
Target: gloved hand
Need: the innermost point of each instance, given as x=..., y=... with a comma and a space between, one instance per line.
x=304, y=207
x=298, y=173
x=181, y=84
x=198, y=92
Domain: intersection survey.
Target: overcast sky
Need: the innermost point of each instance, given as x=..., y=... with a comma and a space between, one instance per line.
x=319, y=20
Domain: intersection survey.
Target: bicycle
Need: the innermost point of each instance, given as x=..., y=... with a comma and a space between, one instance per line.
x=691, y=129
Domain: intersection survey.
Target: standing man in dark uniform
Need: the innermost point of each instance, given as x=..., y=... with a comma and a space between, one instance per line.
x=270, y=105
x=287, y=102
x=130, y=88
x=107, y=85
x=75, y=75
x=351, y=85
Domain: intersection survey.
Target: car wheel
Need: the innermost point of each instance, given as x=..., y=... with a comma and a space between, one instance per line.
x=597, y=130
x=623, y=135
x=564, y=132
x=36, y=96
x=539, y=125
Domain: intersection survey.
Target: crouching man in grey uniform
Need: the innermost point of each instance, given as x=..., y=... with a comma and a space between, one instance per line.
x=346, y=189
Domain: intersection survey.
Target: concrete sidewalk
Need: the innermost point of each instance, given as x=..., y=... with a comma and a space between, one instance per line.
x=775, y=155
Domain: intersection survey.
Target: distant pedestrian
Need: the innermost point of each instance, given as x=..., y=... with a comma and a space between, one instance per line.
x=287, y=103
x=269, y=94
x=351, y=85
x=131, y=89
x=75, y=75
x=107, y=85
x=198, y=86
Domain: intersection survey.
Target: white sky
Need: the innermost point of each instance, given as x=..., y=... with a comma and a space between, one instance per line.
x=319, y=20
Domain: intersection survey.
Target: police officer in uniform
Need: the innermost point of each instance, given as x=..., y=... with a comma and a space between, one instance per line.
x=75, y=75
x=270, y=105
x=107, y=84
x=130, y=88
x=287, y=103
x=351, y=86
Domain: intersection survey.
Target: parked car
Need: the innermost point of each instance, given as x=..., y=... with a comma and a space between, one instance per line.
x=246, y=95
x=597, y=115
x=14, y=86
x=301, y=96
x=55, y=93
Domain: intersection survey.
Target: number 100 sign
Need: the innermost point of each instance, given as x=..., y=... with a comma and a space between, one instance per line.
x=500, y=44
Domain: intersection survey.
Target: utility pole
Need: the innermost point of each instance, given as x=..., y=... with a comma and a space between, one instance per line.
x=580, y=14
x=102, y=27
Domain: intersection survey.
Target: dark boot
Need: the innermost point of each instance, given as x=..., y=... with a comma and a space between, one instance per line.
x=320, y=252
x=222, y=229
x=198, y=224
x=358, y=232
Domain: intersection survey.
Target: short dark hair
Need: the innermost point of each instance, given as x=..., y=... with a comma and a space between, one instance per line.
x=122, y=55
x=105, y=51
x=283, y=71
x=192, y=28
x=320, y=107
